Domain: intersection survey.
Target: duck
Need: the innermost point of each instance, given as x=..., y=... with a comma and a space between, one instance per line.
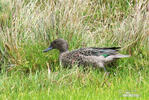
x=94, y=56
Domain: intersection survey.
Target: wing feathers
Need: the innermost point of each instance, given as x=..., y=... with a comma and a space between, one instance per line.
x=93, y=51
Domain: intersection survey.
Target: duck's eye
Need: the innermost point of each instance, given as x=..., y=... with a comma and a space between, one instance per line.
x=55, y=42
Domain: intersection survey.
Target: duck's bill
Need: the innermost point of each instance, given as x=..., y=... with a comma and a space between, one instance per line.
x=46, y=50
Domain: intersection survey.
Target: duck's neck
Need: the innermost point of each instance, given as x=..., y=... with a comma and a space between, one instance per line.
x=63, y=51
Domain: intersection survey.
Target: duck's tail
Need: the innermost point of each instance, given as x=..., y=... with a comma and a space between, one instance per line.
x=116, y=56
x=121, y=56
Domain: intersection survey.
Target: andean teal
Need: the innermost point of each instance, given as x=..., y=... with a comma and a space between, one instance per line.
x=97, y=57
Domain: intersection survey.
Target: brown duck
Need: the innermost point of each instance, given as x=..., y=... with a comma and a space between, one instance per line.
x=97, y=57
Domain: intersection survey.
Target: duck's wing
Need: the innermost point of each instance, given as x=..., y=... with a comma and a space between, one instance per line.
x=93, y=51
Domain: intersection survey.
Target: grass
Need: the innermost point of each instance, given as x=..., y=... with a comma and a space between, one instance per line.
x=73, y=84
x=27, y=27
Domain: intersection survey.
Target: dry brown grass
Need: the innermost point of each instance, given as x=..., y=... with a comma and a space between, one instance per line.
x=92, y=23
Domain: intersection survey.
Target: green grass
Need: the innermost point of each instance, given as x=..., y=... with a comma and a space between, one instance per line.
x=27, y=27
x=73, y=84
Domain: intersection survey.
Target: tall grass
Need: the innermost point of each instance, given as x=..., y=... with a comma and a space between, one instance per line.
x=28, y=26
x=89, y=23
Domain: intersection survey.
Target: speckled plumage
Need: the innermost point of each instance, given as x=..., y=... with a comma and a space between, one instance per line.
x=97, y=57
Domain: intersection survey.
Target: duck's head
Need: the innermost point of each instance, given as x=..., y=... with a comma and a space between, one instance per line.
x=59, y=44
